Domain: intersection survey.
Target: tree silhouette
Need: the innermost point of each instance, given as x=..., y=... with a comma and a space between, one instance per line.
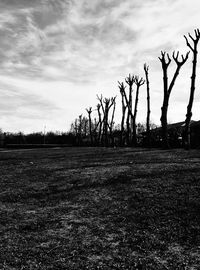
x=139, y=82
x=100, y=124
x=89, y=111
x=111, y=123
x=146, y=70
x=106, y=104
x=193, y=48
x=124, y=107
x=129, y=80
x=122, y=89
x=167, y=89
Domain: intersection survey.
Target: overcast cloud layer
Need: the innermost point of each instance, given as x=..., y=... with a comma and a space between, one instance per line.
x=56, y=55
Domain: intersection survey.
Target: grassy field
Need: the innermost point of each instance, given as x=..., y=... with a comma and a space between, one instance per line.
x=98, y=208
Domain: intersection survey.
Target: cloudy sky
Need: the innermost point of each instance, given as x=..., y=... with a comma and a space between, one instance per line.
x=56, y=55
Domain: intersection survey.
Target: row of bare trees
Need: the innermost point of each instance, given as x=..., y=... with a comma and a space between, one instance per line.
x=101, y=129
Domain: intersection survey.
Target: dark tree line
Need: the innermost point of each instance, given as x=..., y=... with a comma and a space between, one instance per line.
x=21, y=140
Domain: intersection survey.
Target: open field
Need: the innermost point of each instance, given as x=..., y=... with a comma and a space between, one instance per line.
x=98, y=208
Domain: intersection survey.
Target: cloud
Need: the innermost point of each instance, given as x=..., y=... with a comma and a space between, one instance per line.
x=42, y=38
x=23, y=104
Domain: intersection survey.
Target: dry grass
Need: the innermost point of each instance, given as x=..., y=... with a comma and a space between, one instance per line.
x=92, y=208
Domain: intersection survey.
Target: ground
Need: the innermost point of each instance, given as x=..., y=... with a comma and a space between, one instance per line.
x=99, y=208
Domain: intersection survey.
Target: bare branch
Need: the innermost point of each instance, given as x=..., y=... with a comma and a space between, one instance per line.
x=146, y=68
x=169, y=60
x=139, y=81
x=191, y=37
x=195, y=39
x=163, y=60
x=89, y=111
x=175, y=57
x=101, y=102
x=184, y=58
x=197, y=33
x=122, y=87
x=188, y=44
x=100, y=98
x=112, y=100
x=130, y=80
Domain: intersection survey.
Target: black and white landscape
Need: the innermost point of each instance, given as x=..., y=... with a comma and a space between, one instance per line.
x=99, y=134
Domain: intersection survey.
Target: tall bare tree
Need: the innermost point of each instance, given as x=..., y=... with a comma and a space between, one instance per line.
x=168, y=88
x=130, y=80
x=193, y=48
x=111, y=123
x=85, y=126
x=124, y=107
x=139, y=82
x=100, y=124
x=80, y=129
x=122, y=88
x=89, y=111
x=106, y=104
x=146, y=70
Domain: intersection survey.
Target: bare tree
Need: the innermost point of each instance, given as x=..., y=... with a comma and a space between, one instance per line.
x=124, y=107
x=85, y=126
x=129, y=80
x=146, y=70
x=139, y=82
x=79, y=127
x=89, y=111
x=193, y=48
x=111, y=124
x=100, y=123
x=106, y=104
x=167, y=89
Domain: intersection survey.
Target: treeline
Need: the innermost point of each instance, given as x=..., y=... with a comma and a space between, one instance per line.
x=100, y=130
x=37, y=138
x=79, y=135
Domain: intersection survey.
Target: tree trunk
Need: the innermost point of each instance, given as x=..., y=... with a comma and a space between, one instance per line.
x=187, y=142
x=128, y=129
x=148, y=107
x=90, y=128
x=112, y=123
x=106, y=127
x=124, y=100
x=100, y=125
x=90, y=124
x=122, y=126
x=134, y=137
x=130, y=106
x=163, y=120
